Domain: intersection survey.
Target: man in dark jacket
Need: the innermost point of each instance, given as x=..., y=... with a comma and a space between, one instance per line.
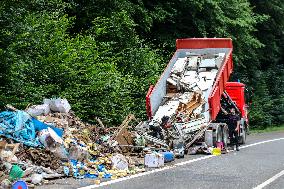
x=233, y=121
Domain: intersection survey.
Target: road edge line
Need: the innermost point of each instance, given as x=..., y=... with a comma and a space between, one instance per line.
x=262, y=142
x=269, y=181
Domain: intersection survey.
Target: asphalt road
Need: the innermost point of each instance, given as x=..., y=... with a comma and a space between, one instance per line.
x=246, y=169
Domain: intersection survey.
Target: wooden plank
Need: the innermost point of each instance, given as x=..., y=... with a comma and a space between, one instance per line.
x=123, y=125
x=2, y=145
x=100, y=122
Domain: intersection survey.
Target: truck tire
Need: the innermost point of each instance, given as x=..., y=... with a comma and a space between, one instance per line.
x=242, y=139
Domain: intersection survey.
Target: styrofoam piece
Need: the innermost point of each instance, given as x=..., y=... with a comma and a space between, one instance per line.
x=168, y=109
x=190, y=73
x=179, y=66
x=189, y=80
x=171, y=81
x=192, y=63
x=154, y=160
x=208, y=63
x=220, y=59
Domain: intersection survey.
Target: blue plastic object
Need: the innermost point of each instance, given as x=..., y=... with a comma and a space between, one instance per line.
x=18, y=125
x=107, y=175
x=20, y=185
x=168, y=156
x=21, y=127
x=40, y=126
x=101, y=168
x=66, y=170
x=89, y=175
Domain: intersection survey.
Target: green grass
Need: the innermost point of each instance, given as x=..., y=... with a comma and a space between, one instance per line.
x=268, y=129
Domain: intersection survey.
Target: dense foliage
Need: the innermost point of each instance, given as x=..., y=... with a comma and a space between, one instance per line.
x=103, y=55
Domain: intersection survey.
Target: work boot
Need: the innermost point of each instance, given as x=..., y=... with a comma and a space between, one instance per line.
x=237, y=148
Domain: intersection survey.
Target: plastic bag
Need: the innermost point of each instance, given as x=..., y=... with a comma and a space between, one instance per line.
x=53, y=142
x=36, y=178
x=58, y=105
x=77, y=152
x=39, y=110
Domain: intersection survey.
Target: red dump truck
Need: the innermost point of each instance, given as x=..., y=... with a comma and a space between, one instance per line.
x=193, y=88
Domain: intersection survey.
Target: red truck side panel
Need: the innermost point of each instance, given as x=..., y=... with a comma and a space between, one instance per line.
x=148, y=102
x=202, y=43
x=219, y=86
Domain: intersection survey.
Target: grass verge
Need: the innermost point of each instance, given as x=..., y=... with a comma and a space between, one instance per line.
x=268, y=129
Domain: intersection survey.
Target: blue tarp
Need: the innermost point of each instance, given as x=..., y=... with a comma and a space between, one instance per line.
x=18, y=125
x=21, y=127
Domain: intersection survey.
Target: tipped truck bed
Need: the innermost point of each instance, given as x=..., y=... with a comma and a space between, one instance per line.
x=184, y=47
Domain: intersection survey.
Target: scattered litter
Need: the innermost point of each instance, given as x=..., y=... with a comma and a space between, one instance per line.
x=119, y=162
x=154, y=160
x=58, y=105
x=168, y=156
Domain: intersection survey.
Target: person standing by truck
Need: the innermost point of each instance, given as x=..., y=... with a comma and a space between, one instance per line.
x=233, y=121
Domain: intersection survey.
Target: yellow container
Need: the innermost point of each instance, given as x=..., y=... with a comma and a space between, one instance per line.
x=216, y=151
x=97, y=182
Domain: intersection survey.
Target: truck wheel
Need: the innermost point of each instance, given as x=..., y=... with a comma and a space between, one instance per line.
x=243, y=137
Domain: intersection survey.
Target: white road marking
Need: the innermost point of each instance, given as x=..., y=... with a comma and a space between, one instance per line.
x=270, y=180
x=263, y=142
x=170, y=167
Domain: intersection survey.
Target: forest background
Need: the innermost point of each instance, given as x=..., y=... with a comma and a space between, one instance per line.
x=102, y=55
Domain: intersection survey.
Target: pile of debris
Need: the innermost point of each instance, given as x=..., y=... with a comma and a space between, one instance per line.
x=48, y=141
